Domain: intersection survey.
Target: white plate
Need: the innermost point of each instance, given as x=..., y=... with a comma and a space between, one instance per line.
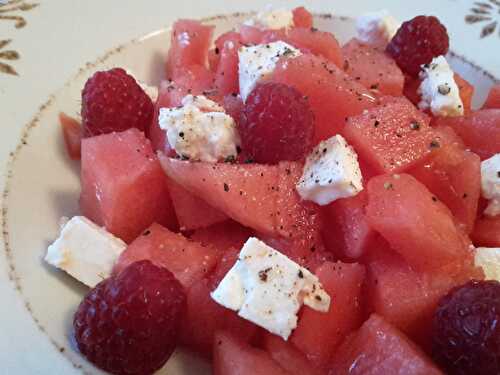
x=43, y=185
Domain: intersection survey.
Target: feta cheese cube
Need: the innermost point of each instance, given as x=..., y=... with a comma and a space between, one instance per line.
x=376, y=28
x=272, y=19
x=490, y=184
x=489, y=259
x=85, y=251
x=331, y=172
x=257, y=62
x=268, y=289
x=438, y=89
x=200, y=130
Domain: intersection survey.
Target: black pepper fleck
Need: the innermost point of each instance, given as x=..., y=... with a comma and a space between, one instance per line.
x=226, y=187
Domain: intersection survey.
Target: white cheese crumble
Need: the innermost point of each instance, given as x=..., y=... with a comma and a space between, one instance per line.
x=257, y=62
x=85, y=251
x=272, y=19
x=490, y=184
x=331, y=172
x=488, y=258
x=200, y=130
x=376, y=28
x=268, y=289
x=438, y=89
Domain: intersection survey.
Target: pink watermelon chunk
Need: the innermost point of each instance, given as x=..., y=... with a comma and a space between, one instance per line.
x=191, y=211
x=392, y=137
x=302, y=17
x=288, y=356
x=372, y=68
x=233, y=356
x=466, y=92
x=453, y=175
x=332, y=94
x=493, y=100
x=72, y=133
x=347, y=230
x=225, y=236
x=188, y=260
x=415, y=223
x=123, y=185
x=378, y=348
x=487, y=232
x=190, y=41
x=480, y=130
x=318, y=334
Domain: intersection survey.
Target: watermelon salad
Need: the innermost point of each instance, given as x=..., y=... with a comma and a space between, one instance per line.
x=283, y=204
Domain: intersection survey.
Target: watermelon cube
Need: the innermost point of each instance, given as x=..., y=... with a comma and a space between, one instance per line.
x=479, y=130
x=225, y=236
x=332, y=94
x=72, y=133
x=391, y=137
x=204, y=317
x=346, y=228
x=188, y=260
x=453, y=175
x=378, y=348
x=318, y=334
x=191, y=211
x=226, y=74
x=233, y=356
x=372, y=68
x=190, y=41
x=302, y=17
x=493, y=99
x=487, y=232
x=288, y=356
x=466, y=92
x=123, y=185
x=414, y=222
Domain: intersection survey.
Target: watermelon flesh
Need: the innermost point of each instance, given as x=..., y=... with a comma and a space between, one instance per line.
x=493, y=99
x=233, y=356
x=479, y=130
x=346, y=230
x=453, y=175
x=487, y=232
x=391, y=137
x=378, y=348
x=225, y=236
x=72, y=133
x=332, y=94
x=318, y=334
x=188, y=260
x=414, y=222
x=226, y=74
x=372, y=68
x=302, y=17
x=191, y=211
x=123, y=185
x=288, y=356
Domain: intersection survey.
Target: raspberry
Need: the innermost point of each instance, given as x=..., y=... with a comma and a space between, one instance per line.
x=114, y=101
x=128, y=324
x=466, y=329
x=417, y=42
x=276, y=124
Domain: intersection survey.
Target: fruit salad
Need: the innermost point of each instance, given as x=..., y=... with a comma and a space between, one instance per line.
x=283, y=204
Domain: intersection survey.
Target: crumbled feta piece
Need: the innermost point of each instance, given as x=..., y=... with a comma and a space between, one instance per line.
x=490, y=184
x=85, y=251
x=489, y=259
x=200, y=130
x=268, y=289
x=272, y=19
x=256, y=62
x=376, y=28
x=331, y=172
x=438, y=89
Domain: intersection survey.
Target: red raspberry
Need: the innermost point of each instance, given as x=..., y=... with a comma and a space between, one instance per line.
x=276, y=124
x=417, y=42
x=466, y=330
x=114, y=101
x=128, y=324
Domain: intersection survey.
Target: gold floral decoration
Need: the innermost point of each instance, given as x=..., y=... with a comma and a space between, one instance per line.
x=10, y=12
x=485, y=12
